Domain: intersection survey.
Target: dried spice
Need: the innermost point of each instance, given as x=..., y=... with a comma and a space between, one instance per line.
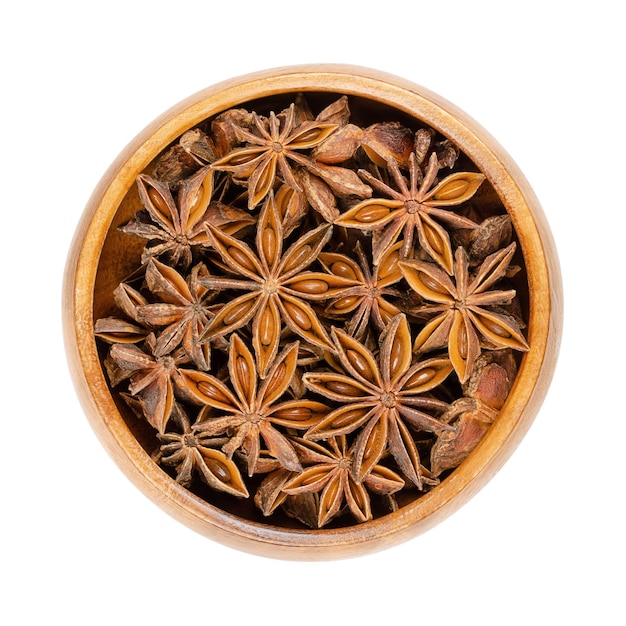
x=338, y=316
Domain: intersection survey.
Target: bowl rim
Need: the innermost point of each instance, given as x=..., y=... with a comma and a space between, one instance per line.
x=531, y=384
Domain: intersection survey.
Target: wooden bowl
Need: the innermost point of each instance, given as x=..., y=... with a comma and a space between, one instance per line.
x=101, y=257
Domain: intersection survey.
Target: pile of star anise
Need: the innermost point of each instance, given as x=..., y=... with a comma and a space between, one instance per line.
x=323, y=318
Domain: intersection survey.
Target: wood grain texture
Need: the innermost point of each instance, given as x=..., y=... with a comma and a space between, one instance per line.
x=100, y=257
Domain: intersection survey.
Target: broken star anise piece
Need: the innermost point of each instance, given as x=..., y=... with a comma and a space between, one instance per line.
x=381, y=397
x=251, y=412
x=414, y=206
x=461, y=308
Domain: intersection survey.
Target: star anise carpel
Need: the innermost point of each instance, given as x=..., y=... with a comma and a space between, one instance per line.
x=419, y=204
x=464, y=317
x=382, y=397
x=321, y=322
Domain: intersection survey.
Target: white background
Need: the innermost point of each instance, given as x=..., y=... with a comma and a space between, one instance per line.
x=543, y=543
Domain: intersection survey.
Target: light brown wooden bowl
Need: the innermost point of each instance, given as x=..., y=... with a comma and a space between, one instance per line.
x=101, y=257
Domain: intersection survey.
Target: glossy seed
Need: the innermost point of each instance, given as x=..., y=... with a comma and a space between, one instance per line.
x=389, y=265
x=340, y=268
x=264, y=182
x=299, y=256
x=423, y=377
x=300, y=414
x=219, y=470
x=345, y=303
x=431, y=283
x=276, y=380
x=199, y=196
x=243, y=372
x=495, y=328
x=309, y=135
x=462, y=341
x=435, y=240
x=454, y=189
x=372, y=442
x=266, y=327
x=269, y=244
x=239, y=257
x=343, y=389
x=397, y=355
x=371, y=213
x=332, y=491
x=313, y=476
x=360, y=364
x=298, y=316
x=158, y=201
x=237, y=312
x=348, y=418
x=211, y=391
x=359, y=497
x=311, y=286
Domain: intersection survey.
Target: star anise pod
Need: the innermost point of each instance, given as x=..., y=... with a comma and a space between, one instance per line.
x=276, y=286
x=462, y=316
x=183, y=309
x=251, y=412
x=153, y=379
x=381, y=397
x=178, y=225
x=194, y=453
x=269, y=149
x=121, y=329
x=366, y=299
x=412, y=206
x=330, y=471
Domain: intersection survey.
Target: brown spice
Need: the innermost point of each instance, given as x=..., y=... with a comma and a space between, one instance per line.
x=315, y=295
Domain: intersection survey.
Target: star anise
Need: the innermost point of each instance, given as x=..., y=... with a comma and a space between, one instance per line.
x=366, y=299
x=121, y=329
x=330, y=471
x=380, y=397
x=414, y=206
x=270, y=148
x=461, y=308
x=194, y=453
x=276, y=286
x=153, y=379
x=251, y=412
x=183, y=309
x=175, y=227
